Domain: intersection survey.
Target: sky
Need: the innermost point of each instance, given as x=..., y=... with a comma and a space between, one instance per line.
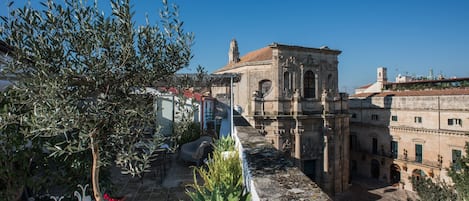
x=408, y=37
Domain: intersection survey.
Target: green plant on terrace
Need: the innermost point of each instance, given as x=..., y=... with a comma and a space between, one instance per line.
x=222, y=177
x=225, y=144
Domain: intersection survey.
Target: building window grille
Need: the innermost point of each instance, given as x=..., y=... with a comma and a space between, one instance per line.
x=418, y=153
x=374, y=117
x=454, y=122
x=309, y=85
x=286, y=81
x=353, y=142
x=394, y=149
x=456, y=155
x=375, y=146
x=418, y=120
x=394, y=118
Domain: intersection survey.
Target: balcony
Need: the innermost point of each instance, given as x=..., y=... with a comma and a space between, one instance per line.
x=413, y=160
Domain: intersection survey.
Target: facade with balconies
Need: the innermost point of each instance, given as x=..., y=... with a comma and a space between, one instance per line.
x=397, y=135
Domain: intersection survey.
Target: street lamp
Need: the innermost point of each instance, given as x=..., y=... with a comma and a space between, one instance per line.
x=234, y=77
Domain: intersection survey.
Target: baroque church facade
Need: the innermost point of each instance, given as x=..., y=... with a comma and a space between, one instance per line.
x=290, y=95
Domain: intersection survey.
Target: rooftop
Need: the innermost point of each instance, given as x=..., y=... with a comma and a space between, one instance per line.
x=426, y=92
x=265, y=54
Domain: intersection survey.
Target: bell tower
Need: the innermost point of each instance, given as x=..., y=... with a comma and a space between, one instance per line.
x=233, y=54
x=382, y=75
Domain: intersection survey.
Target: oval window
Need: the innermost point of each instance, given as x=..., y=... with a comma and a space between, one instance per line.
x=264, y=87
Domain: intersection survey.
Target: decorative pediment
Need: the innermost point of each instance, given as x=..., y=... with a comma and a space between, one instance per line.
x=418, y=140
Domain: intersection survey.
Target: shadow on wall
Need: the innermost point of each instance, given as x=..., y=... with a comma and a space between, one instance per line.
x=372, y=147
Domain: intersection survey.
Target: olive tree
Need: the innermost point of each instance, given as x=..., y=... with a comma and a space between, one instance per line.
x=84, y=75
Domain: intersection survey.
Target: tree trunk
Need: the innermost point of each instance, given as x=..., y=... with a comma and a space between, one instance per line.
x=95, y=168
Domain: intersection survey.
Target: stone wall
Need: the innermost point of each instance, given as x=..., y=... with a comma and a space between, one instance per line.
x=268, y=174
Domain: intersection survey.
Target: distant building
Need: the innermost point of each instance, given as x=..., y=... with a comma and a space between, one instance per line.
x=409, y=130
x=172, y=107
x=290, y=94
x=381, y=80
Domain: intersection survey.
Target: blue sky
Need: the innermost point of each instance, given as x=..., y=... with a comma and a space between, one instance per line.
x=406, y=36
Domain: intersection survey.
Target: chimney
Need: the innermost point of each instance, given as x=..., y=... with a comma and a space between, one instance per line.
x=233, y=54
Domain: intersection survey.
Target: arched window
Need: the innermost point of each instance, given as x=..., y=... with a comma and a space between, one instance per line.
x=286, y=81
x=330, y=82
x=309, y=85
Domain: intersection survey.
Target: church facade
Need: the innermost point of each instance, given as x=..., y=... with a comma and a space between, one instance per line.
x=290, y=95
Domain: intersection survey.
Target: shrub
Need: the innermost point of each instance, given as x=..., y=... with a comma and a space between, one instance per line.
x=225, y=144
x=186, y=131
x=222, y=177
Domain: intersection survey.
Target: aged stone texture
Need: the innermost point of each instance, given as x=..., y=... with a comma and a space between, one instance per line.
x=290, y=95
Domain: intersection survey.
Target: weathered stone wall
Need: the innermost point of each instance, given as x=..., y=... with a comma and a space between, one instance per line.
x=268, y=174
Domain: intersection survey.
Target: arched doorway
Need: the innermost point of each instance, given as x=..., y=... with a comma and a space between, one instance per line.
x=418, y=174
x=375, y=169
x=395, y=174
x=417, y=177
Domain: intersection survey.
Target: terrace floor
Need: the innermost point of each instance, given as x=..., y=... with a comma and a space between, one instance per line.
x=364, y=189
x=180, y=174
x=151, y=187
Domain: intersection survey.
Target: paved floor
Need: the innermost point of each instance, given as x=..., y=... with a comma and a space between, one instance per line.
x=179, y=175
x=372, y=190
x=151, y=187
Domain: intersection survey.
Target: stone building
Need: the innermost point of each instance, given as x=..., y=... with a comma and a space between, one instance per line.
x=290, y=95
x=408, y=129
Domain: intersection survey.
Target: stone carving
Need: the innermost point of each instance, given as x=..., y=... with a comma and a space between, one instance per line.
x=289, y=62
x=309, y=61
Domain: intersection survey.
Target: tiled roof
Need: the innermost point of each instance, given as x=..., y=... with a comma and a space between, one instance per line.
x=365, y=86
x=262, y=54
x=442, y=92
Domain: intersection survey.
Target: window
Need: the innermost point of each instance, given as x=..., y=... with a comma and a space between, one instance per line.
x=418, y=120
x=330, y=81
x=418, y=153
x=375, y=146
x=394, y=149
x=454, y=122
x=353, y=142
x=374, y=117
x=394, y=118
x=264, y=87
x=309, y=85
x=456, y=155
x=354, y=115
x=286, y=81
